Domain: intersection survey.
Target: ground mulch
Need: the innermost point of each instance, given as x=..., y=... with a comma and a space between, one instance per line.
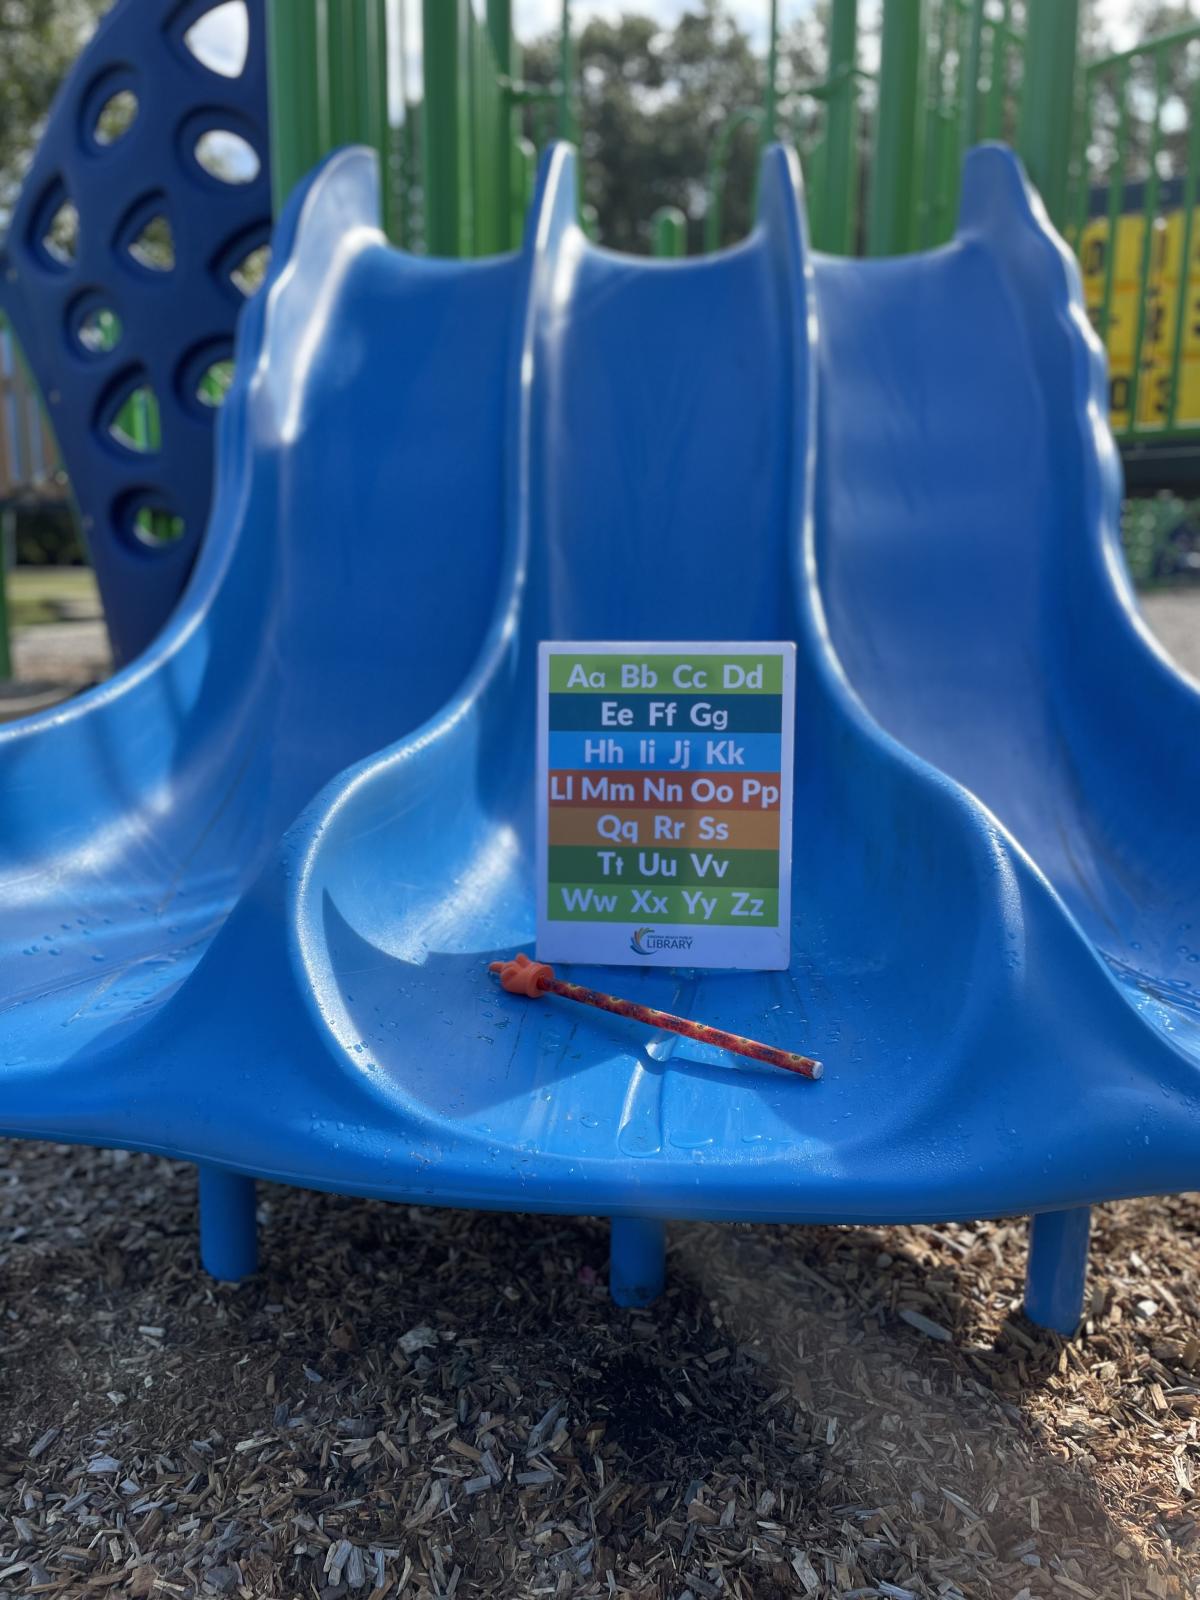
x=439, y=1403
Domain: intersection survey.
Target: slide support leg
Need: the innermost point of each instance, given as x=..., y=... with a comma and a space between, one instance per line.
x=1054, y=1278
x=637, y=1260
x=228, y=1235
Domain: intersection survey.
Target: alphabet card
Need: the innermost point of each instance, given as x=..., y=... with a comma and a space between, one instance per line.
x=664, y=804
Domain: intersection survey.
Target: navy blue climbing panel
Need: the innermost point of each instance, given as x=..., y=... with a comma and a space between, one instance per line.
x=131, y=251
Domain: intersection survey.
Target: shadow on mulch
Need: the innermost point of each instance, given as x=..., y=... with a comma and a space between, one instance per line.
x=436, y=1402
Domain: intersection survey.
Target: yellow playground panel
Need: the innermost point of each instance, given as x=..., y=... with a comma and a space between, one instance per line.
x=1159, y=318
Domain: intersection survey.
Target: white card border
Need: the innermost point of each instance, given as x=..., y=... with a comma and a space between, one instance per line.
x=761, y=950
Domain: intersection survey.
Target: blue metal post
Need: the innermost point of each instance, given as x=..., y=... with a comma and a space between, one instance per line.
x=637, y=1260
x=1054, y=1278
x=228, y=1233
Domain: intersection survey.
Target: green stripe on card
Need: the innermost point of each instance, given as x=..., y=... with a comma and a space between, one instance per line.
x=570, y=863
x=648, y=908
x=666, y=674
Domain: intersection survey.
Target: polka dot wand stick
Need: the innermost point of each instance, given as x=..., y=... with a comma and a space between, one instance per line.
x=535, y=978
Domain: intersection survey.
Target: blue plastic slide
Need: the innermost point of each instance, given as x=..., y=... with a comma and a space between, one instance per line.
x=250, y=888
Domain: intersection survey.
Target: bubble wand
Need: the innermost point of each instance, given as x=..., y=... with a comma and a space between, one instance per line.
x=535, y=978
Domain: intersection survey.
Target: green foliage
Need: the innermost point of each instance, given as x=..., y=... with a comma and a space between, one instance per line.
x=651, y=102
x=39, y=41
x=1161, y=537
x=47, y=536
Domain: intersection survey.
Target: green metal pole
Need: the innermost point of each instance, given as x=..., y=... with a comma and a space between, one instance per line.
x=372, y=74
x=668, y=231
x=930, y=200
x=972, y=64
x=8, y=537
x=413, y=222
x=499, y=22
x=525, y=156
x=342, y=50
x=1185, y=257
x=769, y=109
x=716, y=173
x=446, y=130
x=566, y=72
x=1047, y=100
x=997, y=71
x=296, y=103
x=1116, y=200
x=837, y=190
x=950, y=122
x=1149, y=215
x=1080, y=193
x=356, y=72
x=897, y=157
x=482, y=136
x=405, y=150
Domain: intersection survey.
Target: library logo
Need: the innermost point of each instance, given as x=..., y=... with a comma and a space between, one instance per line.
x=645, y=942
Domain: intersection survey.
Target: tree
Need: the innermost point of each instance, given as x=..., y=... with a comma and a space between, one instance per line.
x=39, y=41
x=1144, y=20
x=651, y=102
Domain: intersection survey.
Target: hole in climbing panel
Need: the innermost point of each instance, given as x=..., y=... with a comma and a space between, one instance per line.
x=133, y=419
x=148, y=520
x=115, y=118
x=155, y=526
x=220, y=39
x=138, y=425
x=108, y=109
x=213, y=383
x=242, y=261
x=145, y=236
x=250, y=271
x=98, y=329
x=56, y=229
x=226, y=156
x=62, y=236
x=154, y=246
x=204, y=375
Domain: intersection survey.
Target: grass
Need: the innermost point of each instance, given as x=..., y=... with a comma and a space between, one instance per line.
x=37, y=594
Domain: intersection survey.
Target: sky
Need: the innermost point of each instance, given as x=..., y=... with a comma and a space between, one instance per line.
x=539, y=16
x=532, y=17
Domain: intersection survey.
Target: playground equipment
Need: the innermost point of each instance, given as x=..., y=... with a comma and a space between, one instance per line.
x=133, y=405
x=122, y=274
x=953, y=71
x=142, y=227
x=28, y=462
x=1134, y=230
x=251, y=887
x=949, y=74
x=29, y=467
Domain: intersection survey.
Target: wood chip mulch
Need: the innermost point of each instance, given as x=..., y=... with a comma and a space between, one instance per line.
x=437, y=1404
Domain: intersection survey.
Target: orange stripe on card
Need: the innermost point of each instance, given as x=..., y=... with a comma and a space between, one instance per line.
x=664, y=791
x=722, y=830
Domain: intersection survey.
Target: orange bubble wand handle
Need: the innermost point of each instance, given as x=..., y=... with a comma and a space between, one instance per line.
x=535, y=978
